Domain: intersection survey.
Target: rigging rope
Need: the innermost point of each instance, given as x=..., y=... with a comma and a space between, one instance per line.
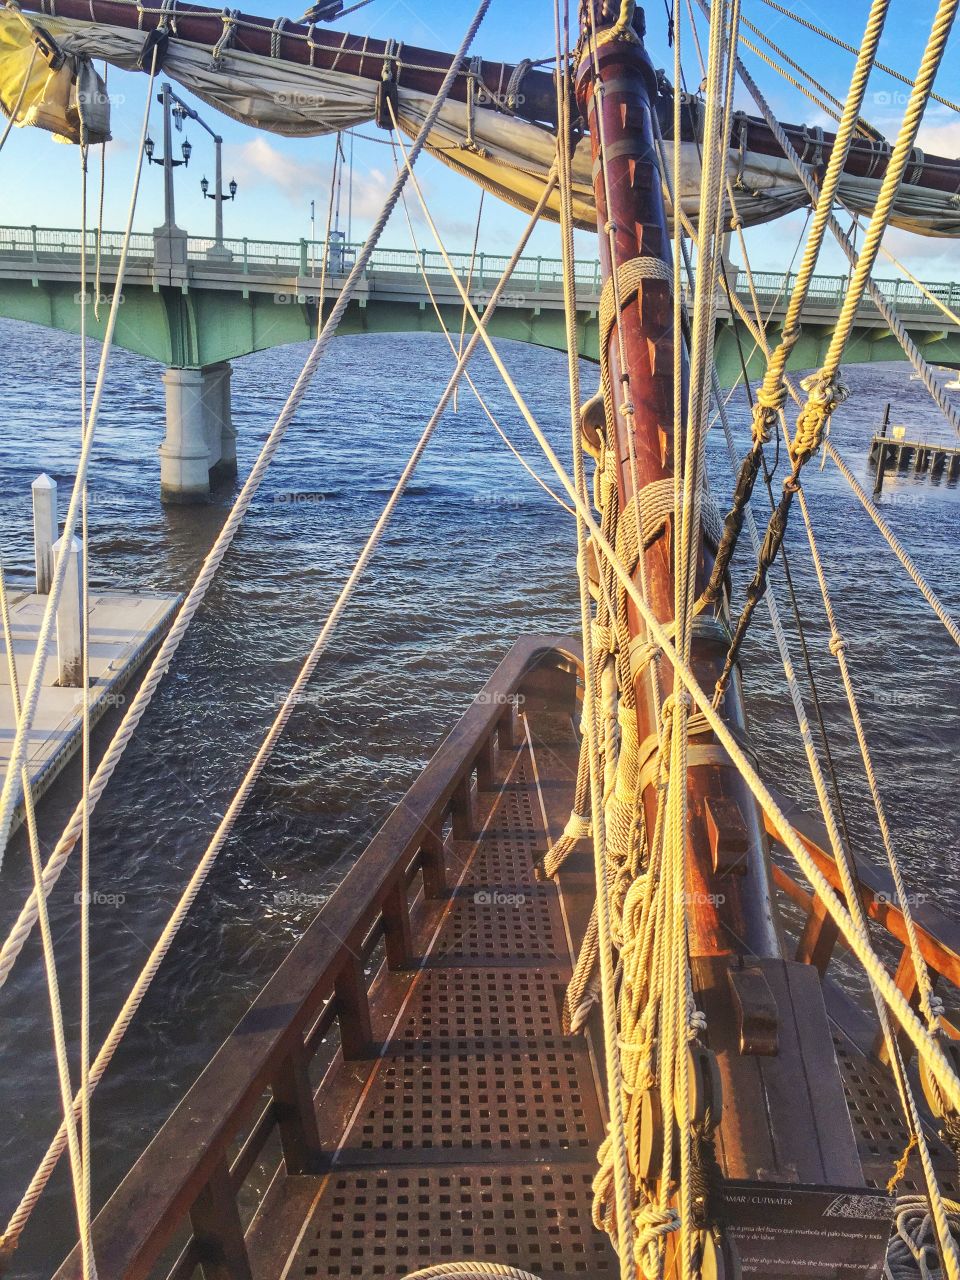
x=927, y=1047
x=135, y=711
x=292, y=699
x=842, y=44
x=18, y=749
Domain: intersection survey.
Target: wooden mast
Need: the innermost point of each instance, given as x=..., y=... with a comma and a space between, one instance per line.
x=770, y=1128
x=730, y=911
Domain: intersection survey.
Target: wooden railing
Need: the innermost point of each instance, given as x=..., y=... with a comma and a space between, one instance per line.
x=939, y=935
x=183, y=1191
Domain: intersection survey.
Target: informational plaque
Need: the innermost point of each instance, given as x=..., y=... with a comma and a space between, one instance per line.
x=784, y=1231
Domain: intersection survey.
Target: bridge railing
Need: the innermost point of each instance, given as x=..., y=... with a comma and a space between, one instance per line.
x=536, y=274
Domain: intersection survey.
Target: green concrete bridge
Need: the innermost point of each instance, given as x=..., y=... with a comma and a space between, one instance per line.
x=194, y=306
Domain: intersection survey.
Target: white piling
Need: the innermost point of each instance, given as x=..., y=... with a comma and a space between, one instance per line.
x=45, y=529
x=70, y=621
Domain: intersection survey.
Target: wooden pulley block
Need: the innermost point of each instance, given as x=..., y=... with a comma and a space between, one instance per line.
x=719, y=1259
x=593, y=425
x=706, y=1086
x=645, y=1135
x=931, y=1090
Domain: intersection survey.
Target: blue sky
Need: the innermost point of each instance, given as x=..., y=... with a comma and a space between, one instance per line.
x=278, y=177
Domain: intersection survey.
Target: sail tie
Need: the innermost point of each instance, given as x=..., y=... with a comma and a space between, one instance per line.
x=229, y=19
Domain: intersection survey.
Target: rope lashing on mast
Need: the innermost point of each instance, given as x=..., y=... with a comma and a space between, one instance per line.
x=858, y=942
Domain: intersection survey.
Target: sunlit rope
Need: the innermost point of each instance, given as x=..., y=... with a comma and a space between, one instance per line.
x=887, y=311
x=848, y=874
x=162, y=659
x=457, y=350
x=927, y=1047
x=842, y=44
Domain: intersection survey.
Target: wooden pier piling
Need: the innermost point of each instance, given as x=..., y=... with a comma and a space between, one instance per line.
x=937, y=461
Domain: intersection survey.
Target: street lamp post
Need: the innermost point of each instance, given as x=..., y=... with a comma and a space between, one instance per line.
x=170, y=241
x=218, y=249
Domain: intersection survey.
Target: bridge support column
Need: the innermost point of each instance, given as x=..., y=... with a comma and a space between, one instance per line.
x=184, y=454
x=221, y=436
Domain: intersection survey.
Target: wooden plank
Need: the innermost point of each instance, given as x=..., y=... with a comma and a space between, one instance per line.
x=295, y=1115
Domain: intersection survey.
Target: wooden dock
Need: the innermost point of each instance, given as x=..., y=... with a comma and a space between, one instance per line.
x=895, y=452
x=124, y=629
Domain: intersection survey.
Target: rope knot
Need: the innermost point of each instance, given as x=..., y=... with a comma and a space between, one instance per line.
x=769, y=402
x=837, y=644
x=824, y=395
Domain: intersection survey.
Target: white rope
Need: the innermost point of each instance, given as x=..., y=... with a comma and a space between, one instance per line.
x=457, y=350
x=18, y=750
x=291, y=701
x=85, y=1138
x=141, y=700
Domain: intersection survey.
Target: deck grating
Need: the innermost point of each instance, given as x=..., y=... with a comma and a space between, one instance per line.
x=476, y=1136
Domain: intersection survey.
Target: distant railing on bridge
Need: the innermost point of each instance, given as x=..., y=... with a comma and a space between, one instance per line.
x=305, y=258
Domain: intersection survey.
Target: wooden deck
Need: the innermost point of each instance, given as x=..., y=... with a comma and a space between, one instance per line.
x=401, y=1093
x=477, y=1125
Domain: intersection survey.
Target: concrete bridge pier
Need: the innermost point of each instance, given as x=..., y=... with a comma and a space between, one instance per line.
x=199, y=448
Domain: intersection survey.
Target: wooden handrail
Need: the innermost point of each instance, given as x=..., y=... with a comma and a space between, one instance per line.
x=939, y=934
x=184, y=1174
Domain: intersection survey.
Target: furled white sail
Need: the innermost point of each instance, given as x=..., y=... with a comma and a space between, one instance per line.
x=509, y=156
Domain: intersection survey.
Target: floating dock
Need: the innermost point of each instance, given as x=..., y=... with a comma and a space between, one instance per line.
x=124, y=628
